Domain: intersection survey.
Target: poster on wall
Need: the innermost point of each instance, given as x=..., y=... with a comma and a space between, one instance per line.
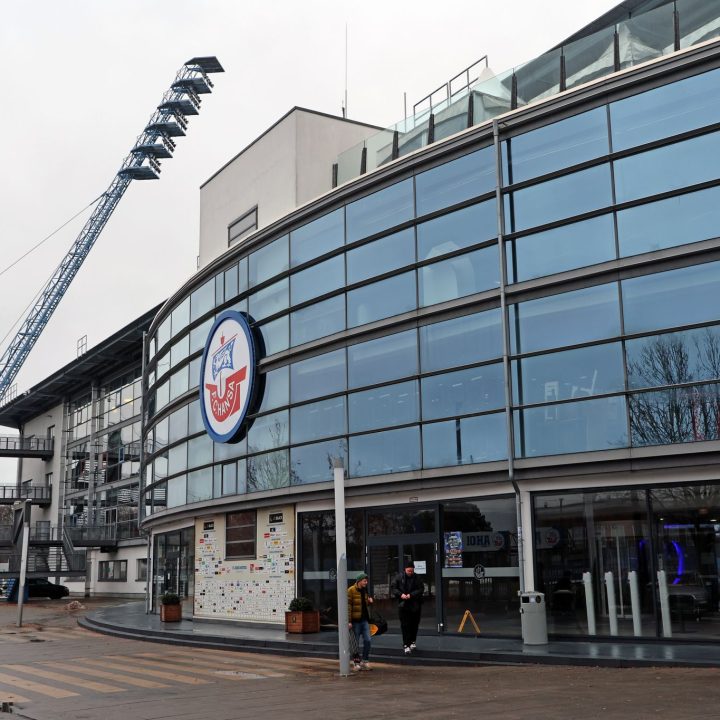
x=453, y=549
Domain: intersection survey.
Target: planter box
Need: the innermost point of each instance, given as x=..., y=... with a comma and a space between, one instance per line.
x=171, y=613
x=305, y=621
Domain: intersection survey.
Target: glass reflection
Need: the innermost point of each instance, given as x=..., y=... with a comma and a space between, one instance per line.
x=384, y=407
x=380, y=210
x=459, y=276
x=457, y=230
x=465, y=441
x=381, y=360
x=268, y=432
x=314, y=463
x=269, y=261
x=571, y=427
x=455, y=181
x=674, y=358
x=317, y=280
x=318, y=420
x=321, y=375
x=318, y=320
x=317, y=238
x=461, y=341
x=390, y=451
x=396, y=250
x=269, y=471
x=560, y=249
x=392, y=296
x=463, y=392
x=568, y=375
x=677, y=415
x=567, y=319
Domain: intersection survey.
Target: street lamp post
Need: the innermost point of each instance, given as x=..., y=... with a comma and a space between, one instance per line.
x=341, y=575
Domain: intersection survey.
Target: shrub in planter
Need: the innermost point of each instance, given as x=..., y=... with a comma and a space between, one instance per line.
x=170, y=607
x=301, y=617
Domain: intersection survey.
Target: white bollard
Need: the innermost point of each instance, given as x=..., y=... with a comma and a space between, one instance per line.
x=612, y=607
x=664, y=604
x=589, y=603
x=635, y=603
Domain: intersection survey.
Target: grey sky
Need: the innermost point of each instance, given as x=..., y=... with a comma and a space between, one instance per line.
x=83, y=77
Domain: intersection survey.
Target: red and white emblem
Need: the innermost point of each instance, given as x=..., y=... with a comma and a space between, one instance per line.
x=227, y=376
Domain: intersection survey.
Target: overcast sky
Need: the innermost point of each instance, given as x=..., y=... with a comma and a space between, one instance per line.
x=83, y=77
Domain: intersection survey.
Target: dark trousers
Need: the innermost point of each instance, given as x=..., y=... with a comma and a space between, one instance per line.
x=409, y=621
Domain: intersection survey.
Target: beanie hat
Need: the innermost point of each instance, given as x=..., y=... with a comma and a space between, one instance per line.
x=409, y=563
x=361, y=576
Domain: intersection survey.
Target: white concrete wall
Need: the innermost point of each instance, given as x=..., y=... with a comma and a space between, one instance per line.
x=283, y=169
x=131, y=588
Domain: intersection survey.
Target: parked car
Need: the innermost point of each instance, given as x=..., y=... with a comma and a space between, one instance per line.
x=43, y=588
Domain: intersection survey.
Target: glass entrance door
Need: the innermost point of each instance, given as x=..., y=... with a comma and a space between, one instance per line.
x=386, y=561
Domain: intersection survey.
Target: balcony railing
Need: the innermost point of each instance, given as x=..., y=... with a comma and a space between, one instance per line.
x=92, y=535
x=16, y=446
x=40, y=494
x=653, y=34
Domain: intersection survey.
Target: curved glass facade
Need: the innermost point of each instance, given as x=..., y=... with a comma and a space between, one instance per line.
x=380, y=322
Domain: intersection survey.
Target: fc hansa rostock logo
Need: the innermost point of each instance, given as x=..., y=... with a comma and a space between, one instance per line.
x=227, y=376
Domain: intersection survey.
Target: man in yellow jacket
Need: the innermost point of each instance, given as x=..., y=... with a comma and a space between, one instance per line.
x=359, y=618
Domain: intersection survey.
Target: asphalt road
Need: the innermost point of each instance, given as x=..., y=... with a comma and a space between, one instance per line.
x=51, y=669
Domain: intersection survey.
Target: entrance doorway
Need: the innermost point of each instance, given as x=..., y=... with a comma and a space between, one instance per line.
x=387, y=558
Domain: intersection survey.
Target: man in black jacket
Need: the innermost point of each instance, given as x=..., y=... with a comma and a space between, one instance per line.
x=408, y=589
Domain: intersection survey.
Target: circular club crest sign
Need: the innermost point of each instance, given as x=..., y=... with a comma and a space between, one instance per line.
x=227, y=376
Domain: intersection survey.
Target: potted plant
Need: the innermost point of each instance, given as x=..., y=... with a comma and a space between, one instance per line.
x=301, y=617
x=170, y=607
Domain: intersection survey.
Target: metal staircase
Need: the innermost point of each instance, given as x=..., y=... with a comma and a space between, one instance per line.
x=50, y=552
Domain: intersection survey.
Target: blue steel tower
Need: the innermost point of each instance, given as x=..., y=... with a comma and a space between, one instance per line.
x=155, y=143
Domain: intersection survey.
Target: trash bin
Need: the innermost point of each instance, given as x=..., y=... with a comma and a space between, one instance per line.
x=533, y=618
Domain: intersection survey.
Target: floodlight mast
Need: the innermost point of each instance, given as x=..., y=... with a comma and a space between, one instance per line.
x=154, y=144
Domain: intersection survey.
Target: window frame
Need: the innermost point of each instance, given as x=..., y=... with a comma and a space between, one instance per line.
x=253, y=525
x=103, y=567
x=234, y=239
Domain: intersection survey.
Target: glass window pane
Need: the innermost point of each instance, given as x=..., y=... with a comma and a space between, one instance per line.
x=676, y=297
x=199, y=485
x=316, y=376
x=382, y=299
x=318, y=420
x=317, y=280
x=275, y=335
x=567, y=319
x=463, y=392
x=195, y=422
x=228, y=478
x=674, y=358
x=384, y=359
x=668, y=110
x=557, y=146
x=177, y=459
x=317, y=238
x=163, y=332
x=667, y=168
x=176, y=491
x=269, y=261
x=381, y=210
x=457, y=230
x=228, y=451
x=202, y=300
x=571, y=427
x=179, y=351
x=269, y=471
x=276, y=389
x=384, y=407
x=563, y=248
x=461, y=341
x=459, y=276
x=269, y=300
x=314, y=463
x=179, y=424
x=455, y=181
x=200, y=451
x=646, y=36
x=181, y=316
x=568, y=375
x=556, y=199
x=396, y=250
x=198, y=335
x=385, y=452
x=268, y=432
x=318, y=320
x=179, y=383
x=589, y=57
x=465, y=441
x=667, y=223
x=677, y=415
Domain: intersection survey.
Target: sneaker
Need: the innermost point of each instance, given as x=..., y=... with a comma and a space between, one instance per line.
x=407, y=649
x=413, y=646
x=356, y=667
x=365, y=665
